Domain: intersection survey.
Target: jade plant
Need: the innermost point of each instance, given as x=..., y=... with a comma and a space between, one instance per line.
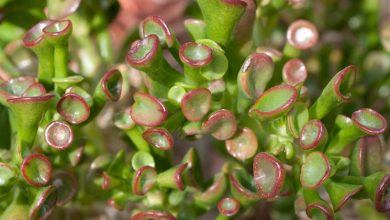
x=252, y=102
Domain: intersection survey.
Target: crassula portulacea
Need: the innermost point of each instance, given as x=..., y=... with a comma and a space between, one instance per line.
x=252, y=102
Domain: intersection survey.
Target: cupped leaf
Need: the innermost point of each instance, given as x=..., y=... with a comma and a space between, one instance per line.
x=217, y=68
x=228, y=206
x=110, y=86
x=175, y=94
x=269, y=174
x=34, y=90
x=366, y=157
x=274, y=102
x=146, y=215
x=213, y=193
x=217, y=86
x=195, y=55
x=377, y=186
x=36, y=170
x=73, y=108
x=243, y=145
x=313, y=135
x=302, y=34
x=156, y=25
x=336, y=92
x=27, y=124
x=369, y=121
x=15, y=87
x=59, y=135
x=319, y=210
x=148, y=110
x=146, y=55
x=66, y=184
x=173, y=177
x=221, y=124
x=35, y=34
x=243, y=187
x=341, y=193
x=141, y=159
x=365, y=122
x=144, y=179
x=58, y=32
x=159, y=138
x=194, y=176
x=123, y=120
x=196, y=104
x=44, y=203
x=294, y=72
x=81, y=92
x=255, y=74
x=315, y=170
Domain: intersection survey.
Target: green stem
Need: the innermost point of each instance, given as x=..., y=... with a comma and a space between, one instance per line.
x=45, y=65
x=61, y=61
x=135, y=136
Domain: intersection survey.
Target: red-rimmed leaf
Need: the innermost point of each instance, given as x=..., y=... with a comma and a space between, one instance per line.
x=156, y=25
x=341, y=193
x=315, y=170
x=36, y=170
x=367, y=156
x=213, y=193
x=243, y=187
x=143, y=180
x=269, y=174
x=147, y=215
x=111, y=84
x=59, y=135
x=228, y=206
x=58, y=32
x=35, y=35
x=73, y=108
x=44, y=203
x=255, y=74
x=196, y=104
x=294, y=72
x=221, y=124
x=274, y=102
x=66, y=184
x=143, y=51
x=173, y=177
x=195, y=55
x=159, y=138
x=148, y=110
x=369, y=121
x=319, y=210
x=302, y=34
x=243, y=145
x=313, y=135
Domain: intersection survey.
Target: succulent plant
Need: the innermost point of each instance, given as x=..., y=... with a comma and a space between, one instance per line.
x=253, y=102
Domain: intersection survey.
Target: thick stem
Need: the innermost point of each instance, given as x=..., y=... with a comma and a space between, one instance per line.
x=135, y=136
x=61, y=61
